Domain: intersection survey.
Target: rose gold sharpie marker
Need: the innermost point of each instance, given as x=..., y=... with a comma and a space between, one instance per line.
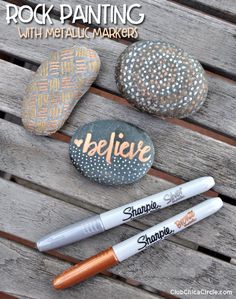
x=99, y=223
x=120, y=252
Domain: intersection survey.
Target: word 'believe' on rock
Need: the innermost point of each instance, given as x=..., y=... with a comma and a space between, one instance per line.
x=107, y=148
x=111, y=152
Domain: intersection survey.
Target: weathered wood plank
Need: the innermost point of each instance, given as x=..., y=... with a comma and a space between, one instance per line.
x=37, y=50
x=212, y=157
x=225, y=9
x=216, y=113
x=169, y=21
x=179, y=151
x=35, y=214
x=26, y=273
x=38, y=159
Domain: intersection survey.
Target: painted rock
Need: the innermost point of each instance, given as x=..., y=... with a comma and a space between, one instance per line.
x=111, y=152
x=161, y=79
x=56, y=88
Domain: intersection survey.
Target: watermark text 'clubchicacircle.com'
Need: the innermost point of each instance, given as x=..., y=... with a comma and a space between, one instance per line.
x=201, y=292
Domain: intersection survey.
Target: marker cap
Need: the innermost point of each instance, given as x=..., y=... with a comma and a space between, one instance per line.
x=131, y=246
x=72, y=233
x=88, y=268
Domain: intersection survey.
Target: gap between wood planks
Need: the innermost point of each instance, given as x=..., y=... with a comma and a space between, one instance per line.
x=153, y=172
x=72, y=260
x=185, y=243
x=94, y=209
x=117, y=98
x=183, y=123
x=126, y=41
x=140, y=226
x=121, y=100
x=207, y=9
x=7, y=296
x=55, y=15
x=189, y=124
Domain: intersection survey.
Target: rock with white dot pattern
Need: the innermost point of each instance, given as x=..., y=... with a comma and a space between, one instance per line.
x=111, y=152
x=162, y=79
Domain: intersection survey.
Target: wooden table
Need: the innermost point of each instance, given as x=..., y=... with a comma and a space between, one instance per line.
x=41, y=191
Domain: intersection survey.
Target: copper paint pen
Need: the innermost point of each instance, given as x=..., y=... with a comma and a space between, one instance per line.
x=135, y=244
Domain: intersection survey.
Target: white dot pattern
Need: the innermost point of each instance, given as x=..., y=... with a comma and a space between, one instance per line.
x=121, y=170
x=161, y=78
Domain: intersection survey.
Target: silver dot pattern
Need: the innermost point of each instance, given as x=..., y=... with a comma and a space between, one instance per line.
x=121, y=170
x=162, y=79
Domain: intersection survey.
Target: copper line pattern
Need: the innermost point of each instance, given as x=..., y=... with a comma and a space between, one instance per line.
x=62, y=80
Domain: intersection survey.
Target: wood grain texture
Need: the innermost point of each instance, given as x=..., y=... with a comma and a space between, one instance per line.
x=197, y=155
x=217, y=112
x=165, y=266
x=189, y=153
x=25, y=273
x=37, y=50
x=224, y=9
x=46, y=162
x=30, y=158
x=170, y=22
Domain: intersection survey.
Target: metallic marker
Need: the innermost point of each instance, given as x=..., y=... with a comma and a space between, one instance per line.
x=120, y=252
x=99, y=223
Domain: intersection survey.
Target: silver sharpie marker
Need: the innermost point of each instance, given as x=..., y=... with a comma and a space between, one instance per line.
x=99, y=223
x=122, y=251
